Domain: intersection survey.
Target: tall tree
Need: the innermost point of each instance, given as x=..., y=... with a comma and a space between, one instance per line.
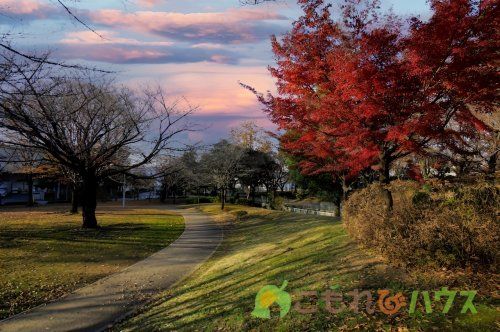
x=89, y=127
x=369, y=89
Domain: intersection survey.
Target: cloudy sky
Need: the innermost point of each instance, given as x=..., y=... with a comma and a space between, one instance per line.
x=195, y=49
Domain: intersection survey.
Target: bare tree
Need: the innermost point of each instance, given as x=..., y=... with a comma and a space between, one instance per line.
x=92, y=129
x=179, y=174
x=221, y=165
x=279, y=174
x=248, y=135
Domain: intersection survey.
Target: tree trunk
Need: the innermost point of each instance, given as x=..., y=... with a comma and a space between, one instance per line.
x=345, y=188
x=30, y=190
x=252, y=194
x=222, y=198
x=384, y=178
x=341, y=198
x=163, y=194
x=338, y=205
x=89, y=201
x=74, y=200
x=492, y=163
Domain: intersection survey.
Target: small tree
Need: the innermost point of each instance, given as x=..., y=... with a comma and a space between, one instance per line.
x=221, y=165
x=278, y=172
x=179, y=174
x=252, y=137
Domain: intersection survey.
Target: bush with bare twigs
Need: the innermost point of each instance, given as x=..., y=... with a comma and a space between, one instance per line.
x=441, y=225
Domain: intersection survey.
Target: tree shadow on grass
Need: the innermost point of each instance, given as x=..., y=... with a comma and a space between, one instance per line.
x=304, y=250
x=71, y=255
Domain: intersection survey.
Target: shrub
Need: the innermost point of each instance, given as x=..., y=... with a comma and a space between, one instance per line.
x=288, y=194
x=243, y=201
x=421, y=198
x=436, y=226
x=240, y=214
x=209, y=199
x=201, y=199
x=277, y=203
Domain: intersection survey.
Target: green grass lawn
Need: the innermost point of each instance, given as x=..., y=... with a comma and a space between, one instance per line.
x=311, y=253
x=44, y=253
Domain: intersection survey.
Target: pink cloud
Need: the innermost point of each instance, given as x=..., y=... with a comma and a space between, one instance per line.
x=35, y=8
x=209, y=46
x=113, y=54
x=219, y=58
x=231, y=26
x=213, y=87
x=115, y=49
x=110, y=37
x=148, y=3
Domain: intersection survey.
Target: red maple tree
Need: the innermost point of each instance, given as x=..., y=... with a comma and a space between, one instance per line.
x=370, y=88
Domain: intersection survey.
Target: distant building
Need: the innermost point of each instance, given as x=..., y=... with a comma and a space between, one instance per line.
x=14, y=185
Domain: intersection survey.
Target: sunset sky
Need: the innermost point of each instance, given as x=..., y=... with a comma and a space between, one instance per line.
x=194, y=48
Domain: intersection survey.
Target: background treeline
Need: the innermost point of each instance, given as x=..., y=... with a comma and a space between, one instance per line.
x=246, y=169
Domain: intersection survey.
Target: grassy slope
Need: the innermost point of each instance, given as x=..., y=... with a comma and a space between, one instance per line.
x=312, y=253
x=44, y=253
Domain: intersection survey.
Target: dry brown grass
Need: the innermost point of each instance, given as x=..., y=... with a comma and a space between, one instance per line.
x=447, y=226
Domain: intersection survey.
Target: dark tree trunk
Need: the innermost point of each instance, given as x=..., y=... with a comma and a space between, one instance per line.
x=163, y=194
x=30, y=190
x=222, y=198
x=74, y=200
x=385, y=167
x=89, y=201
x=492, y=163
x=252, y=194
x=338, y=205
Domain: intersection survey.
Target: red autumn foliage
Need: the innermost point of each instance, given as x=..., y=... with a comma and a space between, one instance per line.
x=370, y=88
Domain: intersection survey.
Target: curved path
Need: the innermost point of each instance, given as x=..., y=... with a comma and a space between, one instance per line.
x=96, y=306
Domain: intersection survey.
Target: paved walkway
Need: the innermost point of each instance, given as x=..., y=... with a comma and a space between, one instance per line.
x=97, y=306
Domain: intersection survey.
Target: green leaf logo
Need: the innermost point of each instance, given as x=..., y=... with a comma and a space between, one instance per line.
x=267, y=296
